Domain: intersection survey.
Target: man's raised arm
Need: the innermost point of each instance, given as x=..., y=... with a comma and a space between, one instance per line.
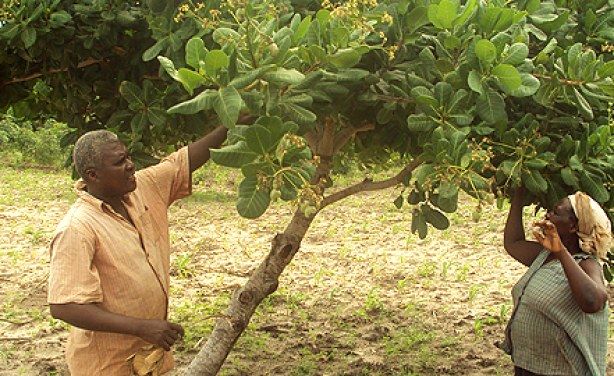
x=198, y=151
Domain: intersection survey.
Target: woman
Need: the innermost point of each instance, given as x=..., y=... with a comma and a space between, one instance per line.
x=560, y=321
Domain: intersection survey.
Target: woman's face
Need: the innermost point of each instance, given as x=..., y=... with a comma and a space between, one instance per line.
x=563, y=217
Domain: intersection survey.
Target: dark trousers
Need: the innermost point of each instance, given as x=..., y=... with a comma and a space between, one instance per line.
x=523, y=372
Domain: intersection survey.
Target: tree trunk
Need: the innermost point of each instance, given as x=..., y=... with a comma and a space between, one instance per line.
x=262, y=283
x=264, y=280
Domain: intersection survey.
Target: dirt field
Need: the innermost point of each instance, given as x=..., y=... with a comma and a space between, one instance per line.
x=363, y=296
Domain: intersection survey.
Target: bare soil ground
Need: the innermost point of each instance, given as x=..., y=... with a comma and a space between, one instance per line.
x=362, y=297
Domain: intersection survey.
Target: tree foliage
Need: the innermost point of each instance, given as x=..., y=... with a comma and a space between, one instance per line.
x=488, y=96
x=474, y=96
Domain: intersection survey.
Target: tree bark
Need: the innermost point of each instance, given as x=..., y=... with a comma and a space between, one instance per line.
x=263, y=282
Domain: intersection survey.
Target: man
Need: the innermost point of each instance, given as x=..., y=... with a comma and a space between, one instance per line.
x=109, y=273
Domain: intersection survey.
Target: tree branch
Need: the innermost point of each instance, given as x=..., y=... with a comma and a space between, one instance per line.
x=312, y=140
x=327, y=141
x=86, y=63
x=343, y=137
x=369, y=185
x=560, y=80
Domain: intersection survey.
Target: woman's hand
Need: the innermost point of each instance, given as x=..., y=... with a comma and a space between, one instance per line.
x=546, y=234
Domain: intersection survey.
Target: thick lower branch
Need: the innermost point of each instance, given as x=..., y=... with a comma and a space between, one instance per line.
x=368, y=185
x=245, y=300
x=346, y=135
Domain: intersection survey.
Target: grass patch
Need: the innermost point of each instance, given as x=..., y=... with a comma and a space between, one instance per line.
x=197, y=318
x=28, y=186
x=206, y=196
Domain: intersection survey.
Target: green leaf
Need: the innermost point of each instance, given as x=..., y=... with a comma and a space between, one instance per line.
x=157, y=6
x=423, y=172
x=253, y=101
x=448, y=190
x=189, y=79
x=195, y=52
x=606, y=70
x=490, y=107
x=384, y=115
x=214, y=61
x=259, y=139
x=570, y=178
x=418, y=223
x=309, y=80
x=583, y=105
x=249, y=77
x=536, y=163
x=594, y=187
x=323, y=16
x=224, y=36
x=435, y=218
x=348, y=75
x=548, y=24
x=550, y=46
x=227, y=106
x=301, y=30
x=282, y=75
x=415, y=197
x=154, y=50
x=573, y=60
x=169, y=67
x=448, y=205
x=28, y=37
x=443, y=93
x=508, y=77
x=442, y=15
x=125, y=18
x=156, y=116
x=420, y=123
x=59, y=18
x=575, y=163
x=235, y=155
x=534, y=181
x=252, y=202
x=495, y=19
x=202, y=102
x=398, y=202
x=607, y=272
x=132, y=94
x=528, y=87
x=416, y=18
x=298, y=114
x=474, y=79
x=345, y=58
x=485, y=50
x=275, y=126
x=9, y=30
x=470, y=8
x=255, y=168
x=515, y=54
x=138, y=123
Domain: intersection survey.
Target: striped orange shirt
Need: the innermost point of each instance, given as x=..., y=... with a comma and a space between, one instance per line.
x=97, y=256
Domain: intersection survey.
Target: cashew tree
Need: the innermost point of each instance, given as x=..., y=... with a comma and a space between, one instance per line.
x=473, y=96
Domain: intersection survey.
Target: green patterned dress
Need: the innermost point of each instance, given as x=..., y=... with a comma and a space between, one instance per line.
x=548, y=333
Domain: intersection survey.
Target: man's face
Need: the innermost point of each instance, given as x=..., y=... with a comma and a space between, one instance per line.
x=115, y=175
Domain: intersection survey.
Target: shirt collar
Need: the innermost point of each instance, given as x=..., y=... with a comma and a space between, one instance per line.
x=83, y=194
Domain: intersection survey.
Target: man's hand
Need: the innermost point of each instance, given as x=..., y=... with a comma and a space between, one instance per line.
x=159, y=332
x=546, y=234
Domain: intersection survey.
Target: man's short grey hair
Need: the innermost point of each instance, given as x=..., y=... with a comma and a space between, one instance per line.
x=88, y=149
